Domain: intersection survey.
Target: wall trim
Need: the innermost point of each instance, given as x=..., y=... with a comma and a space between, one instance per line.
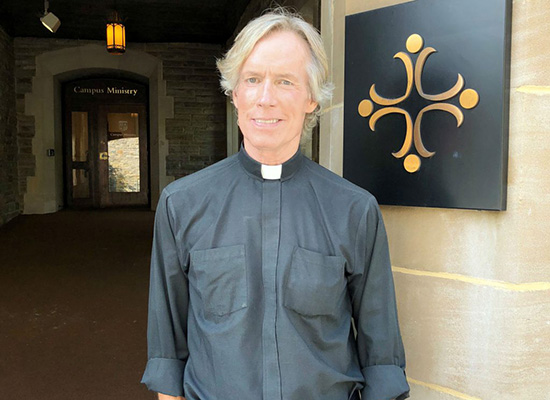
x=500, y=285
x=442, y=389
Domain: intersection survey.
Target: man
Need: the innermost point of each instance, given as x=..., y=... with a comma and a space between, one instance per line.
x=261, y=261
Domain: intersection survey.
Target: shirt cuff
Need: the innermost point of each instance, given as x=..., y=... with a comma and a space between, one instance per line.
x=164, y=375
x=384, y=382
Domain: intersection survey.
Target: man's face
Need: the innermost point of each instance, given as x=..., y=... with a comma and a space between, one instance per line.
x=272, y=97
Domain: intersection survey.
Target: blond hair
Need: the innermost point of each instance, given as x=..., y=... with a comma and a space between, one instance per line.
x=281, y=19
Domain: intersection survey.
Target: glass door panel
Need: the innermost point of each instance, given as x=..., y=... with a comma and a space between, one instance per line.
x=123, y=155
x=123, y=152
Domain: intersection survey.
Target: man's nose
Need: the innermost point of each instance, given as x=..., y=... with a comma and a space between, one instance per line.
x=266, y=97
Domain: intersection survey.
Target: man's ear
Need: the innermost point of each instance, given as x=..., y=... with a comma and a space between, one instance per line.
x=311, y=106
x=234, y=98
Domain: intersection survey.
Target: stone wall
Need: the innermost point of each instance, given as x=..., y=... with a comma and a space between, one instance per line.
x=257, y=7
x=196, y=134
x=9, y=193
x=26, y=49
x=473, y=287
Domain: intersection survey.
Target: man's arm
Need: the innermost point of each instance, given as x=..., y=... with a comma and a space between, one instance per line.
x=166, y=397
x=379, y=344
x=168, y=307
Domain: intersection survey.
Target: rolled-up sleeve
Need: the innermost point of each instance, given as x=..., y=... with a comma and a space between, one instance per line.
x=168, y=308
x=379, y=344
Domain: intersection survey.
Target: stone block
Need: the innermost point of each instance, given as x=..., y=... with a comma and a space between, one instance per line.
x=331, y=138
x=530, y=32
x=475, y=339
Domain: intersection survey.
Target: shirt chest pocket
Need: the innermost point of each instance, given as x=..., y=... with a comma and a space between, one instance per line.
x=219, y=276
x=316, y=283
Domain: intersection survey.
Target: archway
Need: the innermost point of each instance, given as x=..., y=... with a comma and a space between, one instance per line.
x=45, y=189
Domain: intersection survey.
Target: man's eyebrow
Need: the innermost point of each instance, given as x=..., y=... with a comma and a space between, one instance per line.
x=287, y=75
x=249, y=72
x=283, y=75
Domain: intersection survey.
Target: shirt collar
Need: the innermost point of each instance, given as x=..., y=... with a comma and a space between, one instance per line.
x=254, y=168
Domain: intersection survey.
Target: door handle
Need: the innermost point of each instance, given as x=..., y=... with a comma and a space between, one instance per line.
x=103, y=155
x=87, y=164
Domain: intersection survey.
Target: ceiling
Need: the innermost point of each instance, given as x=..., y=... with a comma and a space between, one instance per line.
x=203, y=21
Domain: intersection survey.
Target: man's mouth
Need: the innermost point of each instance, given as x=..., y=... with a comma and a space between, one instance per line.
x=266, y=121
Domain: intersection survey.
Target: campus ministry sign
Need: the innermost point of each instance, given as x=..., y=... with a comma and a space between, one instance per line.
x=426, y=103
x=105, y=89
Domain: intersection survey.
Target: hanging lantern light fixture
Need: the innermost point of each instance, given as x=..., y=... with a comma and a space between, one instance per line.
x=116, y=35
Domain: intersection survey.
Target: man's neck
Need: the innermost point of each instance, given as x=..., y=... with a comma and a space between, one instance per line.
x=271, y=157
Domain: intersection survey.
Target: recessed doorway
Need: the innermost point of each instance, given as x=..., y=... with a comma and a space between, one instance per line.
x=106, y=151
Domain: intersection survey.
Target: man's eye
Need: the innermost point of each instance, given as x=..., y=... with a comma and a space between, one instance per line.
x=285, y=82
x=252, y=80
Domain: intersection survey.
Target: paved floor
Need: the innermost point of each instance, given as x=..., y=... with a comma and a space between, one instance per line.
x=73, y=305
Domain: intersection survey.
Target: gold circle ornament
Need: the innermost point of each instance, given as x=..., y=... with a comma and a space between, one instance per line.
x=412, y=163
x=365, y=108
x=469, y=99
x=415, y=43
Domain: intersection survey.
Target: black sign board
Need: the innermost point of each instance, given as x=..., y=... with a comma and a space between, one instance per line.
x=426, y=103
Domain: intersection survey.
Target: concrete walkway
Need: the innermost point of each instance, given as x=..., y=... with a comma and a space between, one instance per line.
x=73, y=305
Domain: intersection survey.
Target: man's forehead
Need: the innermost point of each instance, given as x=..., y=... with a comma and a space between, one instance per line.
x=280, y=49
x=281, y=70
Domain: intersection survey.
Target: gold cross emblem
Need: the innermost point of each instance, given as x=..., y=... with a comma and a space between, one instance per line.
x=468, y=99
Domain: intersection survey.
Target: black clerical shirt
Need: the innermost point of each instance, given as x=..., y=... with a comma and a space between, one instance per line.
x=255, y=282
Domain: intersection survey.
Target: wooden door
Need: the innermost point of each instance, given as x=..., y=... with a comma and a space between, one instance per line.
x=122, y=159
x=105, y=143
x=79, y=157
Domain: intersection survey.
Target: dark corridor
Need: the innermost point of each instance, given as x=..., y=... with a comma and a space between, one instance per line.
x=73, y=305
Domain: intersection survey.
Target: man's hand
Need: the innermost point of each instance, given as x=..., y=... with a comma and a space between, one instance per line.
x=166, y=397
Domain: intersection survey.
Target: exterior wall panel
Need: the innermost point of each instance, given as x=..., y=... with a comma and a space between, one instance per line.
x=473, y=287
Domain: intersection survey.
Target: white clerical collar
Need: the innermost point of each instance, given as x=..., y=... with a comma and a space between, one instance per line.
x=272, y=172
x=254, y=168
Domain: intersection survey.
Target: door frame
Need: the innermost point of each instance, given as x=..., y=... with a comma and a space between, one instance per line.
x=69, y=164
x=75, y=99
